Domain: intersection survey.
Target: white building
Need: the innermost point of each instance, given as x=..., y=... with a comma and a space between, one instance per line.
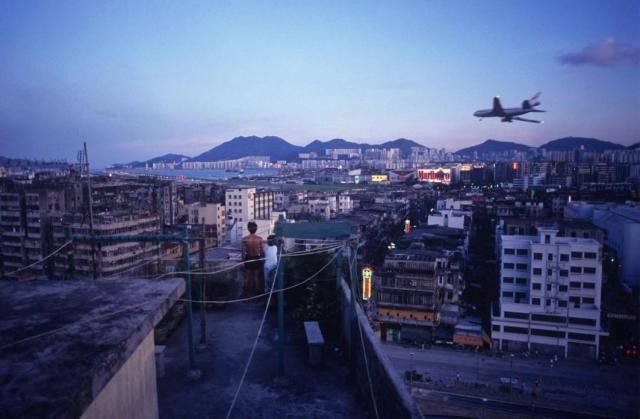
x=550, y=292
x=239, y=205
x=447, y=218
x=622, y=224
x=208, y=214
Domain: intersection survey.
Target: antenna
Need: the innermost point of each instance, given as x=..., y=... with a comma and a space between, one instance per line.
x=84, y=164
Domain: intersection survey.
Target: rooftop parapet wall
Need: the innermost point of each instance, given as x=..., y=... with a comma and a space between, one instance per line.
x=391, y=395
x=98, y=325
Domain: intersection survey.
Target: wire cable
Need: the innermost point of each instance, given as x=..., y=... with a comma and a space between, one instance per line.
x=293, y=254
x=239, y=300
x=255, y=344
x=41, y=260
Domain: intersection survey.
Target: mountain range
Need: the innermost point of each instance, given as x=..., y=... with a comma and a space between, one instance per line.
x=562, y=144
x=279, y=149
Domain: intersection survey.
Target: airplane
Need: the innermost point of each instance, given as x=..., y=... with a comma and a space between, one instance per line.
x=511, y=114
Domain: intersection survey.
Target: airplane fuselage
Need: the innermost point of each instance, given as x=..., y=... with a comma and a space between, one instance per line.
x=507, y=112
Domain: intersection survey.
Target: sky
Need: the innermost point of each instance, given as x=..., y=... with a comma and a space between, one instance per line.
x=139, y=79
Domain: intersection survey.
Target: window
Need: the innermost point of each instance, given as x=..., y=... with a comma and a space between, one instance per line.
x=520, y=296
x=522, y=252
x=585, y=235
x=588, y=270
x=548, y=287
x=548, y=302
x=562, y=303
x=495, y=327
x=535, y=301
x=548, y=318
x=580, y=320
x=576, y=269
x=547, y=238
x=536, y=286
x=573, y=284
x=549, y=272
x=508, y=280
x=507, y=265
x=521, y=266
x=589, y=285
x=537, y=256
x=507, y=294
x=521, y=281
x=564, y=257
x=549, y=256
x=516, y=315
x=563, y=288
x=589, y=255
x=537, y=271
x=574, y=300
x=582, y=336
x=549, y=333
x=509, y=251
x=588, y=300
x=518, y=330
x=564, y=272
x=576, y=255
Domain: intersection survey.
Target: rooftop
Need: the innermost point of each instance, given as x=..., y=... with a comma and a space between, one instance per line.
x=97, y=324
x=327, y=392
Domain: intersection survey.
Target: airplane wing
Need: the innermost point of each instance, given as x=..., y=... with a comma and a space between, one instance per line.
x=517, y=118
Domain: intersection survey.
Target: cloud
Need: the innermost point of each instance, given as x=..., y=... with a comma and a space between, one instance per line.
x=605, y=53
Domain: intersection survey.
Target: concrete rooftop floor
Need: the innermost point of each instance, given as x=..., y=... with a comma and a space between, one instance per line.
x=326, y=392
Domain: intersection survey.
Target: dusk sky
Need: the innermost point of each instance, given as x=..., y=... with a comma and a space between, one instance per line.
x=137, y=80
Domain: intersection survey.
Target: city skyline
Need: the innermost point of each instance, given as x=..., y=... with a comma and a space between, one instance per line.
x=136, y=81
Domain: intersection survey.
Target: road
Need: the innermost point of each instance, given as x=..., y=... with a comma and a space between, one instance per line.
x=607, y=387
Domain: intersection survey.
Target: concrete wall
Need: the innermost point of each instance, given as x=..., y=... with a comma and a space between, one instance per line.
x=391, y=395
x=131, y=392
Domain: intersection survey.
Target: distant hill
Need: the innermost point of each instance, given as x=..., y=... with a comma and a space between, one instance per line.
x=319, y=147
x=239, y=147
x=493, y=146
x=634, y=146
x=402, y=143
x=168, y=158
x=590, y=144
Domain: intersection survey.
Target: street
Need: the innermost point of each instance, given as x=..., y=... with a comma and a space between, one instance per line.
x=579, y=383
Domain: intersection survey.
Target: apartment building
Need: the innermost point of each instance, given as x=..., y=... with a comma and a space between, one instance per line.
x=263, y=202
x=111, y=259
x=622, y=226
x=414, y=287
x=27, y=221
x=209, y=215
x=550, y=295
x=239, y=205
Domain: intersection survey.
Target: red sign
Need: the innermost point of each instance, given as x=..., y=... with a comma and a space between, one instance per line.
x=367, y=275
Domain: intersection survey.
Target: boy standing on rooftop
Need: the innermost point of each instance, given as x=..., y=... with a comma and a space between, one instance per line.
x=252, y=253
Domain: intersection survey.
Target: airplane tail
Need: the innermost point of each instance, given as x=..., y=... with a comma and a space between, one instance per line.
x=497, y=106
x=531, y=103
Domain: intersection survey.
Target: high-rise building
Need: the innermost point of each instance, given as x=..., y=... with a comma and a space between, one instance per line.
x=550, y=295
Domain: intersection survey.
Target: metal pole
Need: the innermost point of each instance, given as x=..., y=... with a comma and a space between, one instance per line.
x=70, y=261
x=187, y=280
x=280, y=285
x=90, y=197
x=203, y=308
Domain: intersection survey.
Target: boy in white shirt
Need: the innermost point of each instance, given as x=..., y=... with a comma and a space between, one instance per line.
x=270, y=251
